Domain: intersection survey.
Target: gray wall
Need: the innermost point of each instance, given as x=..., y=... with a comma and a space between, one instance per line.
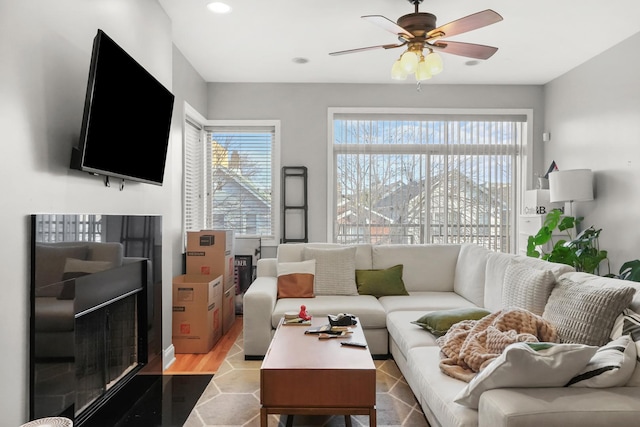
x=593, y=114
x=45, y=49
x=302, y=109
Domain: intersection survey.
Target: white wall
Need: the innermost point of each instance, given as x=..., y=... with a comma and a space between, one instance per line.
x=593, y=114
x=45, y=50
x=302, y=109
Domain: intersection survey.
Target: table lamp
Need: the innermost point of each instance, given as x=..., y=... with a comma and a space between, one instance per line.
x=575, y=185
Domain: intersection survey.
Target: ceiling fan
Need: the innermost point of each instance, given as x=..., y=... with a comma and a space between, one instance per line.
x=418, y=32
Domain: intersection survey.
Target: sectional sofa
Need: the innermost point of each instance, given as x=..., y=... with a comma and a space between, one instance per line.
x=438, y=278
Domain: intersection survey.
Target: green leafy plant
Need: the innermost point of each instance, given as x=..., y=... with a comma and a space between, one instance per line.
x=630, y=270
x=581, y=251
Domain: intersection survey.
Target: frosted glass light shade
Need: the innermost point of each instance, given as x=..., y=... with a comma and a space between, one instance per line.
x=397, y=72
x=571, y=185
x=409, y=61
x=423, y=73
x=434, y=62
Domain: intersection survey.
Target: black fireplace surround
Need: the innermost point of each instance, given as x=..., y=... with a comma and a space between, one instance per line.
x=96, y=326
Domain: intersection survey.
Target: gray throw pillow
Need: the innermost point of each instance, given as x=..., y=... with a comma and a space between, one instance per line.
x=526, y=287
x=584, y=313
x=335, y=270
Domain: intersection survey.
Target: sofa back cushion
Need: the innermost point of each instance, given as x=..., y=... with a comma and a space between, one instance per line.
x=497, y=263
x=425, y=267
x=608, y=282
x=470, y=273
x=294, y=252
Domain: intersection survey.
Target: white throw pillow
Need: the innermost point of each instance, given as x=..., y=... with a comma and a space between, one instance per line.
x=335, y=270
x=628, y=323
x=527, y=287
x=611, y=366
x=528, y=365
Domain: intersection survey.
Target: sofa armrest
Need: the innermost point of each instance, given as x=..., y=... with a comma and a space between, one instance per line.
x=258, y=303
x=561, y=406
x=267, y=267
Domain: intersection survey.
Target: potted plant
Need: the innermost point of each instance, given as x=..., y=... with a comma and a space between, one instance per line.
x=630, y=270
x=581, y=251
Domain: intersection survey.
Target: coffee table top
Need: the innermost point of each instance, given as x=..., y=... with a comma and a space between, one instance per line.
x=291, y=348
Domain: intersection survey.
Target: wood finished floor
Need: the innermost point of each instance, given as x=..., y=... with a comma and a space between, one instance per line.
x=207, y=363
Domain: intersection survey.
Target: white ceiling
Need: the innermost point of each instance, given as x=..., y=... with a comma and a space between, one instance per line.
x=537, y=40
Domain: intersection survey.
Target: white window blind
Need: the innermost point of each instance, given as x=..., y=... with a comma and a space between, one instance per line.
x=426, y=178
x=240, y=177
x=194, y=184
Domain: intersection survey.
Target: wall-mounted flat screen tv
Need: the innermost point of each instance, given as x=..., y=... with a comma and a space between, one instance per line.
x=127, y=117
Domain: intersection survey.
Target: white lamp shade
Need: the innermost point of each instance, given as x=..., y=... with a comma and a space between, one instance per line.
x=573, y=185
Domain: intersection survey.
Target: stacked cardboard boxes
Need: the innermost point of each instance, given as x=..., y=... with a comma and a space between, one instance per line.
x=197, y=313
x=211, y=252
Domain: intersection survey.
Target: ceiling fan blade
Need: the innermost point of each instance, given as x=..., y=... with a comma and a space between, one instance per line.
x=362, y=49
x=477, y=51
x=468, y=23
x=389, y=25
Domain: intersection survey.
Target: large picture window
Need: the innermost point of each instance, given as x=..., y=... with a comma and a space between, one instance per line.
x=230, y=177
x=426, y=178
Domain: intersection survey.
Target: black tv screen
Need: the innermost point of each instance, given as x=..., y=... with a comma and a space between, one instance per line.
x=127, y=117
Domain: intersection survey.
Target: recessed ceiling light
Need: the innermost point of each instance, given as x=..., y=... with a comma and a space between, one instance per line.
x=472, y=63
x=300, y=60
x=219, y=7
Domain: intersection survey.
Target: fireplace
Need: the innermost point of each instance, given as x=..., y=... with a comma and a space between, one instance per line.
x=96, y=310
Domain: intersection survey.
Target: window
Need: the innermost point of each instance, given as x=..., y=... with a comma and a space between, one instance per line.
x=51, y=228
x=230, y=175
x=425, y=177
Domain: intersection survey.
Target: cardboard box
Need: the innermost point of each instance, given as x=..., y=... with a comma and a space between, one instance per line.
x=197, y=313
x=210, y=252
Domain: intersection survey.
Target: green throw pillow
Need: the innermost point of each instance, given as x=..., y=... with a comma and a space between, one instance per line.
x=381, y=282
x=439, y=322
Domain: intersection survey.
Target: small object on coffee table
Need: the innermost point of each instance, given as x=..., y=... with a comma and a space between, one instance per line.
x=354, y=344
x=303, y=313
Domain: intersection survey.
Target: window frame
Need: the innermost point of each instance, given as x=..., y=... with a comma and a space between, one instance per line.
x=191, y=114
x=522, y=165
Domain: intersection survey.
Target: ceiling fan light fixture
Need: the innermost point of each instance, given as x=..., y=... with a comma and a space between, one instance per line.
x=397, y=72
x=423, y=72
x=434, y=63
x=409, y=61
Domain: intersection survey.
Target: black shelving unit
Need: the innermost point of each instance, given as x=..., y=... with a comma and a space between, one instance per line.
x=294, y=178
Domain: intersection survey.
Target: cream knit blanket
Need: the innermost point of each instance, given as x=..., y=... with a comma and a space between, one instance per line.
x=470, y=345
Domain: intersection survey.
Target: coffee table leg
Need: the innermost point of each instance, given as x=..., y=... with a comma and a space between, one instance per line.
x=263, y=417
x=372, y=417
x=289, y=420
x=347, y=420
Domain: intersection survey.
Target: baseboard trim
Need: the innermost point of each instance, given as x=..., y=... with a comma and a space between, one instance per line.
x=168, y=357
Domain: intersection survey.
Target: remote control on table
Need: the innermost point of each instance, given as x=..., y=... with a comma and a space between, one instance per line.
x=354, y=344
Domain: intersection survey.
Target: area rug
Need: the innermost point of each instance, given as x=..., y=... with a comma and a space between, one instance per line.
x=232, y=398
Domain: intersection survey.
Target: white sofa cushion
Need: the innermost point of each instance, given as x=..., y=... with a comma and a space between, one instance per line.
x=438, y=260
x=527, y=365
x=407, y=335
x=436, y=390
x=424, y=301
x=291, y=252
x=470, y=273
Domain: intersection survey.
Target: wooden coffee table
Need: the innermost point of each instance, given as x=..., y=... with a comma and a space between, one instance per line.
x=302, y=374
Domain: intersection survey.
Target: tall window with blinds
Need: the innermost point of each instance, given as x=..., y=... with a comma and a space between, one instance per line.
x=426, y=178
x=229, y=177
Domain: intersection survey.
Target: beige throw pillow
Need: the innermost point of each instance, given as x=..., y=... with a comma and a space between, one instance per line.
x=335, y=270
x=526, y=287
x=584, y=313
